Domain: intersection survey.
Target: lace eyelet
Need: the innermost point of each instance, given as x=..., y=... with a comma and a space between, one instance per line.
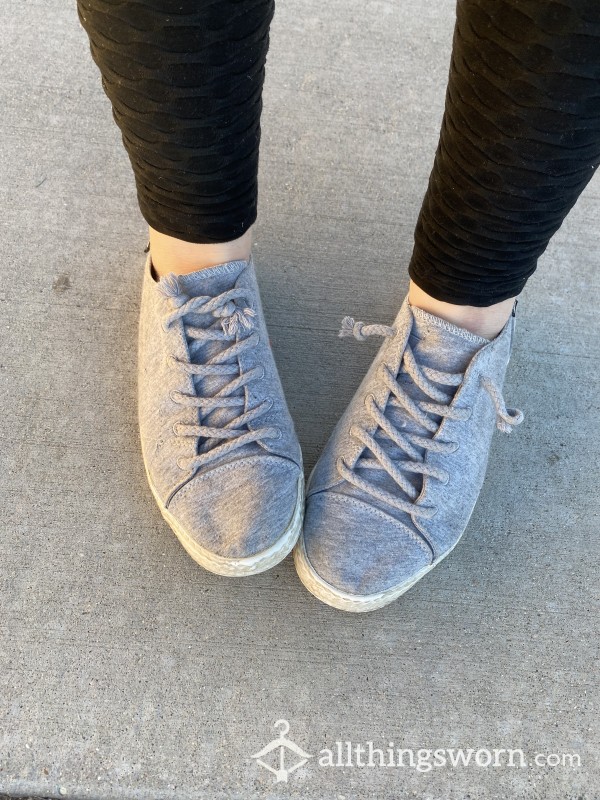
x=469, y=410
x=172, y=394
x=173, y=428
x=181, y=465
x=264, y=372
x=279, y=434
x=447, y=481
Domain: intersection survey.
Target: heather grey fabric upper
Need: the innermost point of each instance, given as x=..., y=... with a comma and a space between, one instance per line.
x=238, y=504
x=358, y=542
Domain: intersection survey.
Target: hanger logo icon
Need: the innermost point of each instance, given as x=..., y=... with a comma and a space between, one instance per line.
x=282, y=747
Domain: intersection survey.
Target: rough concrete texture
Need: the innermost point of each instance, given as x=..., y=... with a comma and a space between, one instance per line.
x=126, y=671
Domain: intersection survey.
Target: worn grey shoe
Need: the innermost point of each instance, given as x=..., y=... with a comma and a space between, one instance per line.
x=398, y=480
x=219, y=446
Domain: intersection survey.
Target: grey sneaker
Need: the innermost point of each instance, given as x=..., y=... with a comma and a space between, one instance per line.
x=398, y=480
x=219, y=446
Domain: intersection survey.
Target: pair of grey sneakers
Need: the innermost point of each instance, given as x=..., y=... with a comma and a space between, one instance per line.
x=396, y=484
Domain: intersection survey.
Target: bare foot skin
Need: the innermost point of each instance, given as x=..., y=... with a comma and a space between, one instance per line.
x=487, y=321
x=175, y=255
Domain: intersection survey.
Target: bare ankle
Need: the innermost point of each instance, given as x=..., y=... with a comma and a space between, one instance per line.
x=487, y=321
x=176, y=255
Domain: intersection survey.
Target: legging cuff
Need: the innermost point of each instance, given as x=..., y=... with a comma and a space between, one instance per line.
x=461, y=292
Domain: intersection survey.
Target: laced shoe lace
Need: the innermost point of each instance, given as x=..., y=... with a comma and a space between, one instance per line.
x=378, y=450
x=232, y=325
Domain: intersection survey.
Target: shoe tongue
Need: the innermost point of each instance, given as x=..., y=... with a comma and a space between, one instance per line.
x=437, y=344
x=211, y=282
x=441, y=345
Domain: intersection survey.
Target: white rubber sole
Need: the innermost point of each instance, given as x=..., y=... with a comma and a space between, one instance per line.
x=238, y=567
x=343, y=601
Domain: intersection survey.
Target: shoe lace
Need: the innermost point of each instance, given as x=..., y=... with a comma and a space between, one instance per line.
x=233, y=326
x=425, y=378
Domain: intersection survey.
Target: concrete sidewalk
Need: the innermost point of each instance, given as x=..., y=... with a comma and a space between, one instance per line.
x=126, y=671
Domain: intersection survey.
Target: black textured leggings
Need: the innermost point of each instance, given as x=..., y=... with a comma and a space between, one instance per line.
x=520, y=136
